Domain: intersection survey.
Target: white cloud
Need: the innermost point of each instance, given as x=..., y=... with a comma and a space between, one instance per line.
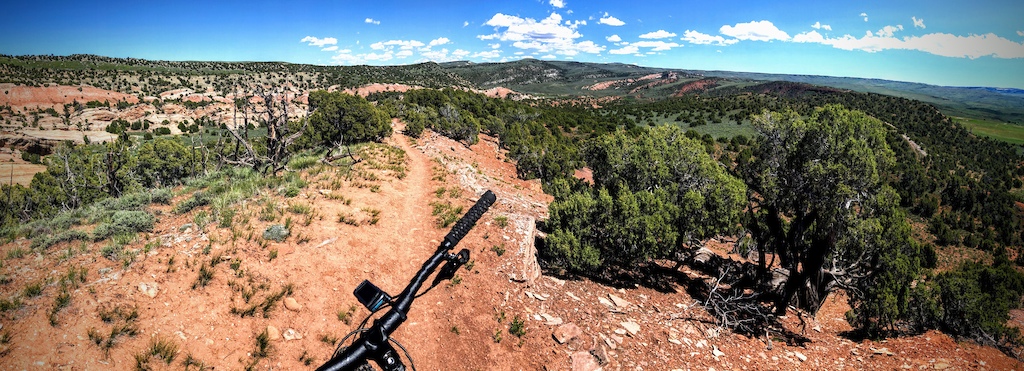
x=549, y=56
x=557, y=3
x=613, y=38
x=756, y=31
x=888, y=31
x=494, y=46
x=659, y=34
x=439, y=41
x=694, y=37
x=404, y=53
x=942, y=44
x=611, y=21
x=436, y=55
x=548, y=35
x=330, y=48
x=1020, y=33
x=459, y=53
x=865, y=15
x=386, y=56
x=314, y=41
x=372, y=21
x=490, y=54
x=628, y=49
x=465, y=23
x=809, y=37
x=818, y=26
x=918, y=23
x=401, y=44
x=657, y=45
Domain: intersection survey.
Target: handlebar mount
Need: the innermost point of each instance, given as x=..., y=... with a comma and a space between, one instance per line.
x=374, y=343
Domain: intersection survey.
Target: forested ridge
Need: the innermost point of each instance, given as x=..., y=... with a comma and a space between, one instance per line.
x=828, y=190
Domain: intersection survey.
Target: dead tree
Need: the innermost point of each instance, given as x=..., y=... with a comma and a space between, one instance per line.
x=272, y=113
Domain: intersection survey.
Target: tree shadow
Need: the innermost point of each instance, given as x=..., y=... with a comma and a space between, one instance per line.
x=729, y=290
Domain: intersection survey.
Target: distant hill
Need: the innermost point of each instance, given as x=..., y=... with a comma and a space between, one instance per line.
x=569, y=78
x=531, y=76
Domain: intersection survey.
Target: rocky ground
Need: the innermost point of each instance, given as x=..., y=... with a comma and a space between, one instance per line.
x=503, y=313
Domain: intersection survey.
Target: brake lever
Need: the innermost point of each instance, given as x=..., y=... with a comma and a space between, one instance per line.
x=454, y=262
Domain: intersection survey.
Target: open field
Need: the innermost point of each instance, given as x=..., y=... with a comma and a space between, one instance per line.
x=1006, y=132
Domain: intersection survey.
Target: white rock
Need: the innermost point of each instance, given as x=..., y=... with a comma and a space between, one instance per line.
x=150, y=289
x=715, y=352
x=631, y=326
x=291, y=334
x=619, y=302
x=800, y=356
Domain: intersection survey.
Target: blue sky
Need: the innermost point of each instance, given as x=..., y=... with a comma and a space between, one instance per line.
x=957, y=43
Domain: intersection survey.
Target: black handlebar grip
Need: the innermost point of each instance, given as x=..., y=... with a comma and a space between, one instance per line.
x=468, y=221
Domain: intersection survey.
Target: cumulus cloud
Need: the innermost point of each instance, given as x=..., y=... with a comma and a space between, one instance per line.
x=372, y=21
x=548, y=35
x=918, y=23
x=330, y=48
x=694, y=37
x=438, y=41
x=628, y=49
x=657, y=46
x=819, y=26
x=613, y=38
x=490, y=54
x=889, y=31
x=865, y=15
x=756, y=31
x=314, y=41
x=403, y=53
x=942, y=44
x=1020, y=33
x=465, y=23
x=557, y=3
x=401, y=44
x=549, y=56
x=659, y=34
x=809, y=37
x=611, y=21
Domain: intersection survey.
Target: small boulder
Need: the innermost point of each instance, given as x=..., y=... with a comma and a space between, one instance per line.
x=584, y=361
x=273, y=333
x=566, y=332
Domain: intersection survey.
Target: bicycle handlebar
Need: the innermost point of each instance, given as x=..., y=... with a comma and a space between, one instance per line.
x=373, y=343
x=468, y=221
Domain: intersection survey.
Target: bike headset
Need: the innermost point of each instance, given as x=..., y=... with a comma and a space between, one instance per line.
x=374, y=342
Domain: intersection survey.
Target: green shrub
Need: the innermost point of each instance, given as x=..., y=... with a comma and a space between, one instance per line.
x=45, y=241
x=276, y=232
x=124, y=222
x=303, y=162
x=161, y=196
x=199, y=198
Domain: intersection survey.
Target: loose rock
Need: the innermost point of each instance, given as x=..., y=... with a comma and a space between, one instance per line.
x=566, y=332
x=150, y=289
x=584, y=361
x=800, y=356
x=273, y=333
x=631, y=326
x=291, y=304
x=619, y=302
x=291, y=334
